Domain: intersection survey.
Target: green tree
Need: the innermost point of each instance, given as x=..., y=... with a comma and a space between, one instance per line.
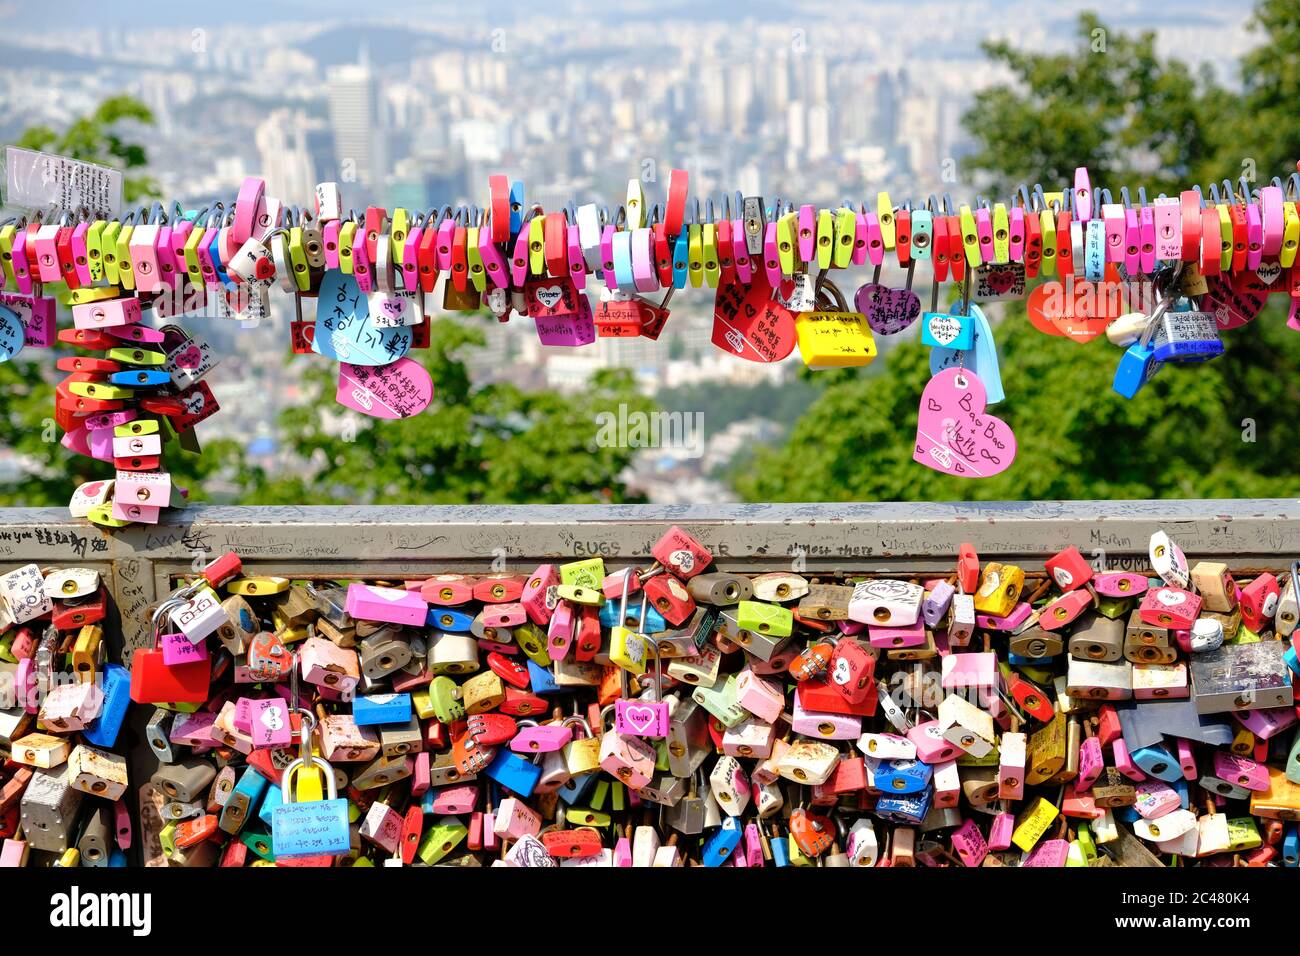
x=1225, y=428
x=98, y=138
x=1111, y=104
x=27, y=412
x=493, y=444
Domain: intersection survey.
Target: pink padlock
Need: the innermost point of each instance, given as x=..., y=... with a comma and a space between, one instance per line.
x=1004, y=824
x=1186, y=759
x=1048, y=853
x=1120, y=584
x=969, y=844
x=178, y=649
x=456, y=799
x=1011, y=622
x=1155, y=798
x=515, y=819
x=1267, y=723
x=1065, y=609
x=559, y=632
x=970, y=670
x=931, y=746
x=630, y=760
x=129, y=511
x=510, y=614
x=382, y=827
x=538, y=596
x=1124, y=763
x=269, y=723
x=325, y=663
x=764, y=699
x=1170, y=607
x=1240, y=771
x=540, y=738
x=192, y=730
x=641, y=717
x=826, y=726
x=106, y=313
x=899, y=636
x=392, y=605
x=152, y=489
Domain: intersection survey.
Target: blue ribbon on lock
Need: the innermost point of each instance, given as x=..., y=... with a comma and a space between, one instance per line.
x=981, y=358
x=344, y=331
x=12, y=334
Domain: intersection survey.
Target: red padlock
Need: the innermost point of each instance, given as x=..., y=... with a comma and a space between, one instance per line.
x=851, y=671
x=681, y=554
x=670, y=598
x=1069, y=569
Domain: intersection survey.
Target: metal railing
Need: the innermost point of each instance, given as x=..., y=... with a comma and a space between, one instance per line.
x=141, y=562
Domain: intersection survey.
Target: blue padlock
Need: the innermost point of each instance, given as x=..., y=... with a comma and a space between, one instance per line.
x=270, y=801
x=103, y=730
x=719, y=847
x=909, y=809
x=454, y=619
x=654, y=621
x=1136, y=367
x=1158, y=762
x=1019, y=660
x=1187, y=337
x=1291, y=846
x=514, y=772
x=780, y=851
x=542, y=680
x=373, y=709
x=244, y=801
x=516, y=206
x=141, y=378
x=577, y=788
x=899, y=776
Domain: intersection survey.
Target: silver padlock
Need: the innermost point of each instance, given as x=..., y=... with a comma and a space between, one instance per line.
x=186, y=780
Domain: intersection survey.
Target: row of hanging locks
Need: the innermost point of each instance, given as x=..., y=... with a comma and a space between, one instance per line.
x=662, y=715
x=1189, y=267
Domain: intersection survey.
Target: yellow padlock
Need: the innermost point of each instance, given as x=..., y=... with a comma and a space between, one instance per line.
x=834, y=338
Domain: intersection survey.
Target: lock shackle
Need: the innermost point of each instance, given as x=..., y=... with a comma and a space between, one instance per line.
x=166, y=606
x=579, y=720
x=1295, y=579
x=315, y=762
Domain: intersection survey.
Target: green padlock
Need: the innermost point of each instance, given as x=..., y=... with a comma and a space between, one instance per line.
x=769, y=619
x=441, y=838
x=445, y=696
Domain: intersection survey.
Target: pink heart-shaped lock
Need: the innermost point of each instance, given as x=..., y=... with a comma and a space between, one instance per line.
x=954, y=435
x=888, y=311
x=397, y=390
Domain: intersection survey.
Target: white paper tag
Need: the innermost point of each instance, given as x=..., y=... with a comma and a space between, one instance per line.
x=44, y=181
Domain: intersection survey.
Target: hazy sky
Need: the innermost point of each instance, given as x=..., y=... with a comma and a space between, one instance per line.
x=25, y=15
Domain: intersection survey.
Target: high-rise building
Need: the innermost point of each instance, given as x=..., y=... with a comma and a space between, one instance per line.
x=286, y=162
x=359, y=143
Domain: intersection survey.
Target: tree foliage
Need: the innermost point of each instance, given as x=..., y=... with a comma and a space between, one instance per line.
x=493, y=444
x=1225, y=428
x=98, y=138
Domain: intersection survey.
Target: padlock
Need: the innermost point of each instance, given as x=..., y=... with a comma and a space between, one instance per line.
x=886, y=602
x=681, y=554
x=1034, y=642
x=1098, y=638
x=719, y=588
x=1259, y=602
x=826, y=602
x=309, y=827
x=1215, y=585
x=999, y=588
x=779, y=586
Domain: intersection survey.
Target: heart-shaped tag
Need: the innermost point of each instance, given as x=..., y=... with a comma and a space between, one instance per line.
x=344, y=331
x=955, y=435
x=888, y=311
x=549, y=295
x=37, y=316
x=1235, y=301
x=399, y=390
x=189, y=358
x=1006, y=281
x=749, y=324
x=1268, y=272
x=1075, y=308
x=981, y=358
x=12, y=334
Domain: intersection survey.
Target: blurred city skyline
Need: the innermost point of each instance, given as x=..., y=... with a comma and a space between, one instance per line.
x=416, y=104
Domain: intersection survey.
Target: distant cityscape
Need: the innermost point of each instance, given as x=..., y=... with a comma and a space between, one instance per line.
x=832, y=103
